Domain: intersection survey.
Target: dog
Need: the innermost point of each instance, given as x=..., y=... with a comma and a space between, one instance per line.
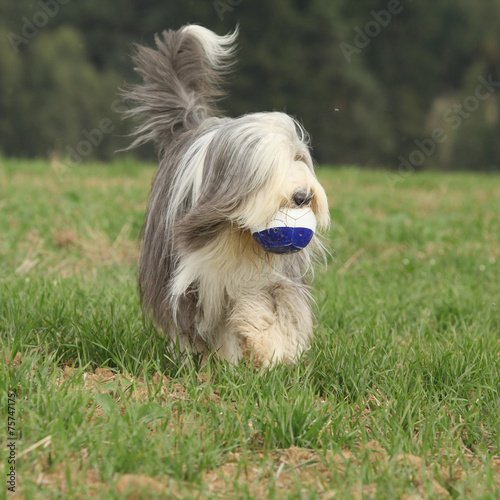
x=204, y=279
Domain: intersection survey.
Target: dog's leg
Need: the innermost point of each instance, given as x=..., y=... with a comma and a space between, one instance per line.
x=227, y=344
x=275, y=325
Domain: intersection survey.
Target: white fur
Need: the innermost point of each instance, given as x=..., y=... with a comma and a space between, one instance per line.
x=217, y=48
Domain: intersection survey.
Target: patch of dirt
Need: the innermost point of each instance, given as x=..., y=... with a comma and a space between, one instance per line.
x=58, y=480
x=16, y=361
x=141, y=487
x=104, y=380
x=65, y=238
x=297, y=467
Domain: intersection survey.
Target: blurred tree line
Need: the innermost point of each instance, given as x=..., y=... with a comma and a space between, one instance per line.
x=376, y=82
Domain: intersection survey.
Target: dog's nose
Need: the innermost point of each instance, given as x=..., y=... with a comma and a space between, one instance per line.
x=301, y=198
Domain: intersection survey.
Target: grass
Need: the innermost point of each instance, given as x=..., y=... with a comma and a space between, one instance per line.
x=398, y=396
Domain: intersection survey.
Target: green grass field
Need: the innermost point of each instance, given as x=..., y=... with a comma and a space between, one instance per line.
x=398, y=397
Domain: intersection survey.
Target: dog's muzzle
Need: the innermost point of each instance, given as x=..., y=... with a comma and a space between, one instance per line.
x=289, y=231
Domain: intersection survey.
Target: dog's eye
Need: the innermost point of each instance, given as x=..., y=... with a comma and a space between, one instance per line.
x=298, y=157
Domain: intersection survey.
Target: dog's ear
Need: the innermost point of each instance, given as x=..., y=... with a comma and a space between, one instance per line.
x=201, y=226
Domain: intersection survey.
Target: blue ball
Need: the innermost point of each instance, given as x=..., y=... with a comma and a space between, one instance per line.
x=291, y=230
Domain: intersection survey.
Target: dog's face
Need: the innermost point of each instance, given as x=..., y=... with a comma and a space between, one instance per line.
x=294, y=185
x=289, y=180
x=241, y=172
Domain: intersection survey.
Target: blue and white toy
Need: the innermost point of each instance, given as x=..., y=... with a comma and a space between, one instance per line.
x=289, y=231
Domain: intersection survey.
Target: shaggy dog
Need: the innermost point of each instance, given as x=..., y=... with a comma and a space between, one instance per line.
x=202, y=276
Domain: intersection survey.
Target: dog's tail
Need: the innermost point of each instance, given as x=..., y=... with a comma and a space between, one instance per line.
x=182, y=80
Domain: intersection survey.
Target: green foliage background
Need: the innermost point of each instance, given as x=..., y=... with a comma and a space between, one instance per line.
x=366, y=90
